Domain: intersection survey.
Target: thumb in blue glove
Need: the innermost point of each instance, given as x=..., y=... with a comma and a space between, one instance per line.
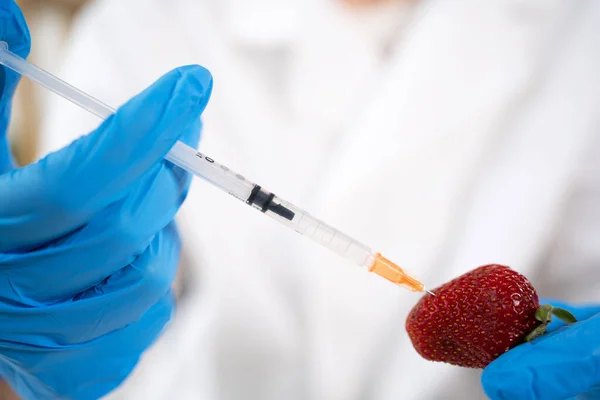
x=563, y=364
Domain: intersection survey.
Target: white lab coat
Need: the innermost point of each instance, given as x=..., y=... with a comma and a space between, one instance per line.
x=466, y=145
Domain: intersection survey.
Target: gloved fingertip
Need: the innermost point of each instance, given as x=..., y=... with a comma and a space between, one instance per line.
x=162, y=113
x=192, y=84
x=507, y=384
x=137, y=137
x=489, y=385
x=490, y=382
x=200, y=80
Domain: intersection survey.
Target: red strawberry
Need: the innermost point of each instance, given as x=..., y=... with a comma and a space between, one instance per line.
x=476, y=317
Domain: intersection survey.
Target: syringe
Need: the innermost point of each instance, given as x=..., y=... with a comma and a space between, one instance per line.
x=235, y=184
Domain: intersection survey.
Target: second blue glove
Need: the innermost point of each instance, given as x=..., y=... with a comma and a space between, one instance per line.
x=563, y=364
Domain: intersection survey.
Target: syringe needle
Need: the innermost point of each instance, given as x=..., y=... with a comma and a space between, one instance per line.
x=394, y=273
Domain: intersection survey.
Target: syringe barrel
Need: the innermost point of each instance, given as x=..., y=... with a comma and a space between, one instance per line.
x=323, y=234
x=280, y=210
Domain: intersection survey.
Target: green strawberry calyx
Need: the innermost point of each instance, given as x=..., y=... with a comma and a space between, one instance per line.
x=544, y=315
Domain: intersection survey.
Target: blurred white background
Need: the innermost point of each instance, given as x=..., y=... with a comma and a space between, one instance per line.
x=497, y=92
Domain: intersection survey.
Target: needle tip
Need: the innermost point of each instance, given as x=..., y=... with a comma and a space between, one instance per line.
x=430, y=292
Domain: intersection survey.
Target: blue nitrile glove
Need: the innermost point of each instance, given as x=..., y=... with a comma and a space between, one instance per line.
x=562, y=364
x=88, y=248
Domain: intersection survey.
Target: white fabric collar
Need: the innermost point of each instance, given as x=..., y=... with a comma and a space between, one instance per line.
x=275, y=23
x=261, y=23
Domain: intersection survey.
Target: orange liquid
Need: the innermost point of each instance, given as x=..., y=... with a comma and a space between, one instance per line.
x=393, y=273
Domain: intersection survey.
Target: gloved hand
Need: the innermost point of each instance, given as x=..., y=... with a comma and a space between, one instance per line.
x=563, y=364
x=88, y=248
